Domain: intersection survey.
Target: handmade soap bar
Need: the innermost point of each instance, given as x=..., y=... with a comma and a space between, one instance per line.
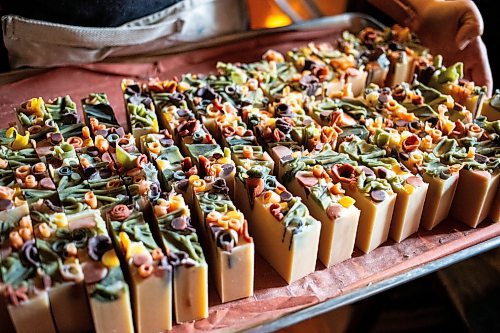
x=57, y=248
x=23, y=282
x=410, y=190
x=107, y=292
x=179, y=242
x=226, y=232
x=475, y=195
x=140, y=109
x=304, y=176
x=284, y=232
x=491, y=107
x=148, y=271
x=374, y=197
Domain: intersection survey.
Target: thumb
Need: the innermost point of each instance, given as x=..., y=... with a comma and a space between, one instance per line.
x=471, y=25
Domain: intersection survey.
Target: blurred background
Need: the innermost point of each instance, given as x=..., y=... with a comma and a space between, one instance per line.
x=278, y=13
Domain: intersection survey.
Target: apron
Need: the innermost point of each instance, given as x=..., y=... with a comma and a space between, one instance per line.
x=36, y=43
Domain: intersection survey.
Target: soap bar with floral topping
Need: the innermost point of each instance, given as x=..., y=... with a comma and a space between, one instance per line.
x=147, y=269
x=23, y=281
x=284, y=232
x=410, y=189
x=179, y=241
x=98, y=112
x=140, y=109
x=57, y=249
x=107, y=292
x=304, y=176
x=226, y=232
x=374, y=197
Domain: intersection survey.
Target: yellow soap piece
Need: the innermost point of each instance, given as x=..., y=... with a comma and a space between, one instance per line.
x=162, y=164
x=346, y=201
x=397, y=169
x=409, y=188
x=60, y=220
x=20, y=141
x=193, y=178
x=124, y=240
x=110, y=259
x=135, y=248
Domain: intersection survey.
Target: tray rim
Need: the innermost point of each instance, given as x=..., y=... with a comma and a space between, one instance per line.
x=374, y=288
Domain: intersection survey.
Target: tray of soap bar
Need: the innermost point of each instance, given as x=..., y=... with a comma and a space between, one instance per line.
x=308, y=167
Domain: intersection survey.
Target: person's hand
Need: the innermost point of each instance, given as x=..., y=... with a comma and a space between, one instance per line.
x=453, y=29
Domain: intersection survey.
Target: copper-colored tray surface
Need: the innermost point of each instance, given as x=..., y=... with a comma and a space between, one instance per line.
x=274, y=304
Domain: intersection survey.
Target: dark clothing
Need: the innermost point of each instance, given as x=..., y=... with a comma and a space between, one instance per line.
x=88, y=13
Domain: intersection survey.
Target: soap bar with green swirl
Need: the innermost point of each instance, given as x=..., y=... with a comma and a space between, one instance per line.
x=179, y=241
x=107, y=291
x=284, y=232
x=170, y=102
x=141, y=111
x=410, y=189
x=225, y=230
x=57, y=248
x=147, y=269
x=374, y=197
x=24, y=285
x=35, y=119
x=304, y=175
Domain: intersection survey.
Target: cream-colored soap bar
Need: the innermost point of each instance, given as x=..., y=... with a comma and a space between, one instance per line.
x=374, y=198
x=401, y=70
x=111, y=316
x=338, y=223
x=180, y=242
x=33, y=315
x=213, y=161
x=249, y=156
x=191, y=292
x=438, y=200
x=410, y=197
x=408, y=211
x=374, y=221
x=24, y=299
x=490, y=112
x=107, y=291
x=68, y=288
x=291, y=250
x=148, y=271
x=410, y=190
x=70, y=295
x=226, y=232
x=474, y=196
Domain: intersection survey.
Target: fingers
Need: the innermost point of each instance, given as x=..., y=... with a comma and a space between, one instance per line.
x=470, y=24
x=479, y=69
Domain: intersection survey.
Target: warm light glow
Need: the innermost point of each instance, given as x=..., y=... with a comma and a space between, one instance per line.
x=277, y=20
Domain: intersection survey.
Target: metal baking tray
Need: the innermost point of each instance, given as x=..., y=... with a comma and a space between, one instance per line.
x=274, y=305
